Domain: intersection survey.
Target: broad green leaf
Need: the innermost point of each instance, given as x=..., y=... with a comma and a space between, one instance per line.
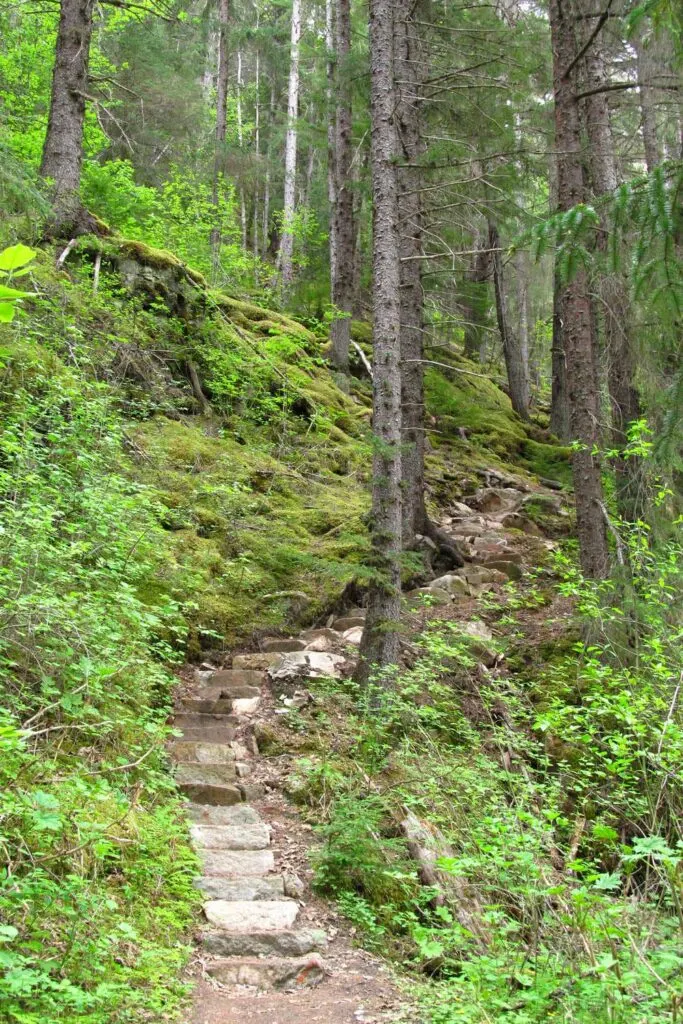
x=16, y=256
x=12, y=293
x=6, y=312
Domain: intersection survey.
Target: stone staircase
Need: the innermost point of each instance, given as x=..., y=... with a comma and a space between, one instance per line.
x=251, y=935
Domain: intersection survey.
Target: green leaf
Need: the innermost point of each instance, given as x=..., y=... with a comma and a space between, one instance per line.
x=16, y=256
x=6, y=312
x=8, y=932
x=12, y=293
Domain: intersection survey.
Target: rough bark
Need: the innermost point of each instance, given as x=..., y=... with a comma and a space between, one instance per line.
x=408, y=60
x=62, y=157
x=331, y=138
x=648, y=110
x=582, y=385
x=559, y=403
x=221, y=127
x=476, y=302
x=516, y=356
x=287, y=238
x=380, y=644
x=616, y=313
x=342, y=279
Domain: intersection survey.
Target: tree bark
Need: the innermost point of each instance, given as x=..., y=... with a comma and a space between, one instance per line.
x=62, y=158
x=221, y=128
x=342, y=280
x=408, y=58
x=516, y=356
x=559, y=402
x=331, y=140
x=648, y=110
x=615, y=300
x=582, y=384
x=475, y=304
x=287, y=238
x=380, y=644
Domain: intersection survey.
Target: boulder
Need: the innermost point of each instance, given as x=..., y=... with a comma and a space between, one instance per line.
x=507, y=566
x=348, y=622
x=261, y=661
x=281, y=646
x=353, y=636
x=246, y=706
x=452, y=584
x=428, y=596
x=308, y=665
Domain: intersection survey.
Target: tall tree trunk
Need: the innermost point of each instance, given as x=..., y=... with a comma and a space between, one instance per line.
x=331, y=139
x=582, y=384
x=221, y=128
x=559, y=402
x=62, y=158
x=380, y=644
x=342, y=280
x=475, y=303
x=516, y=358
x=615, y=301
x=257, y=148
x=287, y=238
x=647, y=70
x=408, y=60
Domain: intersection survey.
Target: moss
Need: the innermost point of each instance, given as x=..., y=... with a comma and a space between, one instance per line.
x=361, y=332
x=253, y=317
x=548, y=460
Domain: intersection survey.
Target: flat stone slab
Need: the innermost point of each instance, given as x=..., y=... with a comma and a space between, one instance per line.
x=309, y=665
x=280, y=645
x=353, y=636
x=219, y=887
x=288, y=974
x=206, y=728
x=202, y=753
x=285, y=943
x=237, y=862
x=255, y=661
x=227, y=677
x=231, y=837
x=194, y=772
x=348, y=622
x=217, y=796
x=244, y=916
x=214, y=817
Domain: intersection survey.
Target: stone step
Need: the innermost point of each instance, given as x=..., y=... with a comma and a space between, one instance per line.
x=219, y=887
x=219, y=703
x=246, y=706
x=231, y=837
x=214, y=817
x=283, y=943
x=237, y=863
x=279, y=645
x=256, y=662
x=227, y=677
x=202, y=753
x=243, y=916
x=216, y=796
x=204, y=728
x=273, y=973
x=348, y=622
x=196, y=772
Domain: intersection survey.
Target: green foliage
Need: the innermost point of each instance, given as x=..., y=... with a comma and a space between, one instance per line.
x=13, y=264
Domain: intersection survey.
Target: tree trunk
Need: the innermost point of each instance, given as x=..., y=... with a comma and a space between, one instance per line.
x=475, y=303
x=221, y=128
x=516, y=358
x=342, y=280
x=62, y=158
x=287, y=238
x=331, y=141
x=408, y=58
x=648, y=111
x=582, y=385
x=559, y=403
x=380, y=644
x=616, y=305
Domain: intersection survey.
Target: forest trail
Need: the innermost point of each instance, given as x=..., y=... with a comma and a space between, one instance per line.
x=269, y=951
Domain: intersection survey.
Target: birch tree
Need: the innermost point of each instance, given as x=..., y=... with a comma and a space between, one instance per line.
x=286, y=255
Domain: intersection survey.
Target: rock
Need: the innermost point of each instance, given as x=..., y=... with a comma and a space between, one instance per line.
x=241, y=814
x=218, y=887
x=280, y=646
x=206, y=728
x=221, y=796
x=286, y=943
x=240, y=751
x=231, y=837
x=309, y=665
x=507, y=566
x=553, y=485
x=243, y=769
x=348, y=622
x=452, y=584
x=237, y=863
x=428, y=596
x=246, y=706
x=550, y=503
x=202, y=753
x=228, y=677
x=480, y=635
x=294, y=887
x=480, y=575
x=251, y=791
x=459, y=510
x=246, y=916
x=198, y=773
x=255, y=661
x=309, y=635
x=286, y=974
x=477, y=628
x=516, y=521
x=353, y=636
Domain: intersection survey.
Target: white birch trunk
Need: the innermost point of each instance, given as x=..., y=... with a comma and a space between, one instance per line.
x=287, y=239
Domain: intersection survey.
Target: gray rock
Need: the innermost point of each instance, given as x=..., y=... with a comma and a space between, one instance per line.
x=228, y=677
x=195, y=772
x=201, y=753
x=237, y=863
x=452, y=584
x=206, y=728
x=477, y=628
x=281, y=646
x=428, y=595
x=231, y=837
x=247, y=916
x=309, y=635
x=309, y=665
x=286, y=974
x=353, y=636
x=217, y=796
x=288, y=943
x=255, y=661
x=246, y=705
x=293, y=885
x=214, y=817
x=348, y=622
x=505, y=565
x=220, y=887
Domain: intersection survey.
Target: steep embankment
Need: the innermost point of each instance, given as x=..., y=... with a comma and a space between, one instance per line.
x=178, y=472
